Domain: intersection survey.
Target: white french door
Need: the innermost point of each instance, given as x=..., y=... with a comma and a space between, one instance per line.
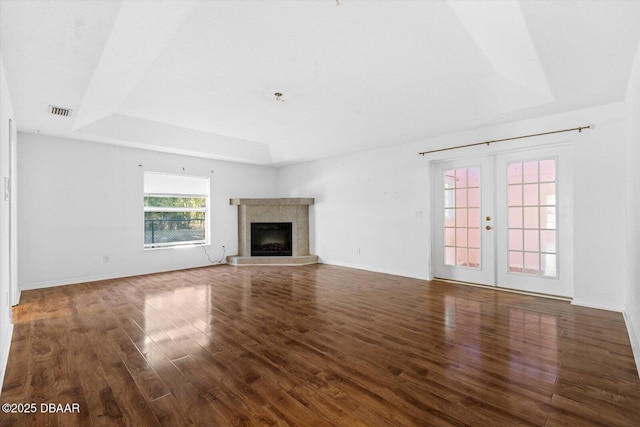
x=463, y=213
x=506, y=220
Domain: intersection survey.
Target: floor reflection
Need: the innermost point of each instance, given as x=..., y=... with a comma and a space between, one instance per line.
x=463, y=319
x=533, y=345
x=177, y=315
x=490, y=333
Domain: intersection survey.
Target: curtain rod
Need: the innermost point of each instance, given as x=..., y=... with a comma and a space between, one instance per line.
x=579, y=129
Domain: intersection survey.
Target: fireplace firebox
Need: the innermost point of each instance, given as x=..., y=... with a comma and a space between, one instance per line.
x=271, y=239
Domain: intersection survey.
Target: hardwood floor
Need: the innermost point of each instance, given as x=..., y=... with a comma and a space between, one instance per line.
x=314, y=345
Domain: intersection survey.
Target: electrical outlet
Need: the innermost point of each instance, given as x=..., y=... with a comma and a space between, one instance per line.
x=358, y=251
x=106, y=259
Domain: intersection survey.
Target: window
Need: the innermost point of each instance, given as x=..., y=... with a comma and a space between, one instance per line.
x=176, y=210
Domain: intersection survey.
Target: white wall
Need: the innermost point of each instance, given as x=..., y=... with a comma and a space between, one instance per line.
x=82, y=201
x=370, y=209
x=632, y=306
x=600, y=217
x=378, y=201
x=6, y=327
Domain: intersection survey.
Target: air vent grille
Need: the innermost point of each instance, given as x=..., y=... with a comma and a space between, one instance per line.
x=59, y=111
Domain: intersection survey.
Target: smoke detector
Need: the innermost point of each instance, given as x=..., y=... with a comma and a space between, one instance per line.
x=59, y=111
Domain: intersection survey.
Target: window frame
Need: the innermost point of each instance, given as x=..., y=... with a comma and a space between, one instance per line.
x=205, y=210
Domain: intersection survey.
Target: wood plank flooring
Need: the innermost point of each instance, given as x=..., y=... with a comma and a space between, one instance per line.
x=314, y=345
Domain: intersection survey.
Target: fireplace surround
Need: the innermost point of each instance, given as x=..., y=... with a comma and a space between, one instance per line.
x=279, y=210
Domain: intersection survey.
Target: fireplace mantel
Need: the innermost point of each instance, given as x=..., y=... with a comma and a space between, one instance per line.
x=293, y=210
x=273, y=202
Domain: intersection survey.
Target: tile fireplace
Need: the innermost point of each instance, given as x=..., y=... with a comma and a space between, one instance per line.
x=273, y=231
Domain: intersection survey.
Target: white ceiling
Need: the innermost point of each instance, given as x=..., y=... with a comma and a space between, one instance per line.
x=199, y=77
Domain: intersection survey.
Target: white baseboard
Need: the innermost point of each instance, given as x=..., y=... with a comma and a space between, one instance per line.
x=372, y=269
x=597, y=306
x=4, y=356
x=99, y=277
x=635, y=343
x=17, y=298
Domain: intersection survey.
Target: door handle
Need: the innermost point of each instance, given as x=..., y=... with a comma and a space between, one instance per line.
x=488, y=227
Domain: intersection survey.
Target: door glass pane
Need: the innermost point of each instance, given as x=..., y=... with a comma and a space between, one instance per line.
x=461, y=257
x=548, y=217
x=515, y=195
x=461, y=178
x=531, y=217
x=547, y=170
x=514, y=173
x=548, y=193
x=515, y=217
x=450, y=236
x=548, y=241
x=449, y=217
x=474, y=258
x=474, y=177
x=450, y=255
x=531, y=194
x=515, y=261
x=474, y=238
x=532, y=234
x=531, y=262
x=549, y=265
x=473, y=197
x=474, y=218
x=449, y=198
x=515, y=239
x=531, y=240
x=449, y=179
x=530, y=172
x=461, y=237
x=461, y=197
x=462, y=217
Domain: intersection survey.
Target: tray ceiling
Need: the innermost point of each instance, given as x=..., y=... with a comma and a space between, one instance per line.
x=199, y=77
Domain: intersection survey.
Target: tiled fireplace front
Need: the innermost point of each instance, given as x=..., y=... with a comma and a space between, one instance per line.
x=276, y=211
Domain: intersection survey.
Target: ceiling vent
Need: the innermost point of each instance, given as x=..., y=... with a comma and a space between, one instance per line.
x=59, y=111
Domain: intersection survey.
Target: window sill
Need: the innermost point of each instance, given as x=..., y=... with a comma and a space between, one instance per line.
x=190, y=245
